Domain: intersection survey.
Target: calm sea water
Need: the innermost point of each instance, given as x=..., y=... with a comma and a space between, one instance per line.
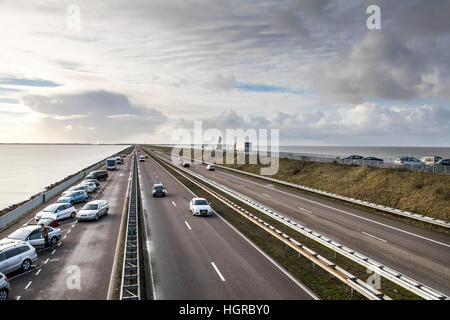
x=27, y=169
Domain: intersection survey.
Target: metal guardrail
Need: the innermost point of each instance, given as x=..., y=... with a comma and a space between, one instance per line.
x=390, y=274
x=346, y=277
x=130, y=286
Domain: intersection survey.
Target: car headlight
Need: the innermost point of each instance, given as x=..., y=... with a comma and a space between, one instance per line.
x=196, y=211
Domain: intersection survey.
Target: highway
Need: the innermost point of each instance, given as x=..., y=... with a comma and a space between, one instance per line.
x=419, y=253
x=86, y=250
x=204, y=257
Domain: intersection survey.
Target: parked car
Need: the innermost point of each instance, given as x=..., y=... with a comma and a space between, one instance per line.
x=158, y=190
x=429, y=160
x=111, y=164
x=211, y=167
x=406, y=160
x=97, y=183
x=354, y=157
x=49, y=219
x=33, y=235
x=15, y=255
x=73, y=197
x=93, y=210
x=373, y=159
x=186, y=164
x=60, y=210
x=86, y=188
x=141, y=158
x=199, y=206
x=91, y=186
x=5, y=287
x=119, y=160
x=443, y=162
x=99, y=175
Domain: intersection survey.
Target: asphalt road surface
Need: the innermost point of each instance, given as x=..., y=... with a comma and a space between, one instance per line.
x=204, y=257
x=80, y=266
x=422, y=254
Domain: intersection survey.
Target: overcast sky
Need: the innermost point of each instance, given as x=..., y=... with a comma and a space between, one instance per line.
x=133, y=71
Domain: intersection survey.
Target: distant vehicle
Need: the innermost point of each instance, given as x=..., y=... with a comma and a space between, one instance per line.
x=444, y=162
x=431, y=160
x=186, y=164
x=118, y=160
x=111, y=164
x=373, y=159
x=124, y=156
x=199, y=206
x=98, y=175
x=49, y=219
x=93, y=210
x=73, y=197
x=354, y=157
x=97, y=183
x=92, y=187
x=141, y=158
x=80, y=187
x=33, y=235
x=60, y=210
x=5, y=287
x=158, y=190
x=15, y=255
x=211, y=167
x=406, y=160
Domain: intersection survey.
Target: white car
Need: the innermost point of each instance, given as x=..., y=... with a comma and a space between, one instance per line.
x=92, y=187
x=15, y=255
x=93, y=210
x=61, y=210
x=211, y=167
x=33, y=235
x=200, y=207
x=141, y=158
x=5, y=287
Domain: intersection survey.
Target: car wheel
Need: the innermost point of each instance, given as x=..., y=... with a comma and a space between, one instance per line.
x=106, y=212
x=89, y=194
x=26, y=265
x=85, y=200
x=3, y=294
x=96, y=217
x=53, y=241
x=72, y=203
x=72, y=215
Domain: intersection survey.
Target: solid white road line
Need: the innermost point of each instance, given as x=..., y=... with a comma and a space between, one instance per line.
x=188, y=225
x=29, y=283
x=303, y=209
x=370, y=235
x=218, y=271
x=342, y=211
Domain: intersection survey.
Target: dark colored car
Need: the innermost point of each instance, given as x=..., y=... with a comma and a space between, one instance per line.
x=444, y=162
x=158, y=190
x=99, y=175
x=373, y=159
x=354, y=157
x=97, y=183
x=186, y=164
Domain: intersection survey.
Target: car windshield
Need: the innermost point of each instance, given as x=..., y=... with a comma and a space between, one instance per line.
x=70, y=193
x=90, y=206
x=19, y=234
x=51, y=208
x=158, y=187
x=200, y=202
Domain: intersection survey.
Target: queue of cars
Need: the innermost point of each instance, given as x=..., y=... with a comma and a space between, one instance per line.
x=19, y=249
x=406, y=160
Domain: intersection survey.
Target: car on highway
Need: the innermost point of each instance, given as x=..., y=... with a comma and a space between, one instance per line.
x=430, y=160
x=5, y=287
x=141, y=158
x=33, y=235
x=88, y=189
x=97, y=183
x=211, y=167
x=92, y=187
x=60, y=210
x=49, y=219
x=98, y=175
x=15, y=255
x=73, y=197
x=354, y=157
x=93, y=210
x=119, y=160
x=373, y=159
x=111, y=164
x=186, y=164
x=407, y=160
x=158, y=190
x=200, y=207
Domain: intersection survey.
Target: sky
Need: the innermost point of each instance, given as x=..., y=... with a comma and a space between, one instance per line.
x=126, y=71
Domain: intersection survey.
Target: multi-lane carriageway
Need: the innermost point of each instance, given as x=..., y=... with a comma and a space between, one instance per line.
x=421, y=254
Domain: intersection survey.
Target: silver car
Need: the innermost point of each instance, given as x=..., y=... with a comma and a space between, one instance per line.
x=93, y=210
x=15, y=255
x=33, y=235
x=5, y=288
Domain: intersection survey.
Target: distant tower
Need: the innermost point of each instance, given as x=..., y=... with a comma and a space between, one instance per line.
x=219, y=144
x=247, y=145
